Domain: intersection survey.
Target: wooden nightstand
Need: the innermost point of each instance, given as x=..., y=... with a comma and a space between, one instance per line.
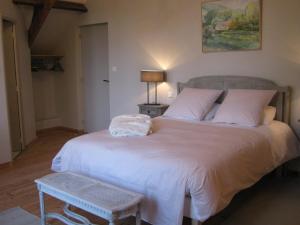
x=152, y=110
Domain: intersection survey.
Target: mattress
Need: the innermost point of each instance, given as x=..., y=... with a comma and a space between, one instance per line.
x=210, y=162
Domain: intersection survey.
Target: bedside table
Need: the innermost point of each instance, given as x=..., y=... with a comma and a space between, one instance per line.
x=152, y=110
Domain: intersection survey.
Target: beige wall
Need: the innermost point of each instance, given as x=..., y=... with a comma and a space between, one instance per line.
x=10, y=11
x=167, y=34
x=61, y=90
x=68, y=85
x=46, y=98
x=55, y=93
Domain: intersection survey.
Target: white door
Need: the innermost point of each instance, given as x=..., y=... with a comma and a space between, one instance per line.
x=12, y=87
x=94, y=56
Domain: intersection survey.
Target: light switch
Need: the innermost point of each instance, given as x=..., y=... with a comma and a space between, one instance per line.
x=114, y=69
x=170, y=94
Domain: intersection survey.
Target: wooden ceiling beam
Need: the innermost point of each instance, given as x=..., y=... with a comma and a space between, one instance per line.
x=28, y=2
x=41, y=11
x=70, y=6
x=58, y=5
x=40, y=14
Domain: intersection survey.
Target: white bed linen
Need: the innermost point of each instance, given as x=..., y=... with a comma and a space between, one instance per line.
x=211, y=162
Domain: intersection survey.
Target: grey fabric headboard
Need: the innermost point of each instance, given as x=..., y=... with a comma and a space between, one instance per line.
x=281, y=101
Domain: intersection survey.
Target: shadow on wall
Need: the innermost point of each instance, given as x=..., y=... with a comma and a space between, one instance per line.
x=291, y=51
x=293, y=59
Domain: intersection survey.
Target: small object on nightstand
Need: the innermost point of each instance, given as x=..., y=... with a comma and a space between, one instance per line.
x=152, y=110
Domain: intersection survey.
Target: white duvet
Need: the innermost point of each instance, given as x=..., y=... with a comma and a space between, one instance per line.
x=207, y=161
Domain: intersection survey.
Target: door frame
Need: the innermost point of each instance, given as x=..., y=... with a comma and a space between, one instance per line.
x=6, y=149
x=18, y=81
x=80, y=77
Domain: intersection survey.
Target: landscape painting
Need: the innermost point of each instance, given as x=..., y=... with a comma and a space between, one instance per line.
x=231, y=25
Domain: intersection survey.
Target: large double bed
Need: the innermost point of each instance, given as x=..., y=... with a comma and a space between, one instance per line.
x=188, y=168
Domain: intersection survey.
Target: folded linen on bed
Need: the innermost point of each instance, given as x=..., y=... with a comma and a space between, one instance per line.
x=130, y=125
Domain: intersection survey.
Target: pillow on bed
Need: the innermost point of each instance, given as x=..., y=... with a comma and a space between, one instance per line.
x=269, y=115
x=193, y=103
x=212, y=112
x=244, y=107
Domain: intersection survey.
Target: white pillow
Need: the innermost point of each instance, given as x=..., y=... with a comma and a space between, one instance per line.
x=269, y=115
x=244, y=107
x=212, y=112
x=193, y=103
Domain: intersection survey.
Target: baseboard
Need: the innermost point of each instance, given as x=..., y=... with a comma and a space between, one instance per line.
x=72, y=130
x=41, y=131
x=48, y=123
x=31, y=143
x=5, y=165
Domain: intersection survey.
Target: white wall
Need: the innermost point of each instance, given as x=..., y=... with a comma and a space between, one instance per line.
x=46, y=99
x=68, y=83
x=55, y=93
x=167, y=34
x=10, y=11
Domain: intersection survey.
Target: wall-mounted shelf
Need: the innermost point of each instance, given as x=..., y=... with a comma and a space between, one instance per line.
x=46, y=63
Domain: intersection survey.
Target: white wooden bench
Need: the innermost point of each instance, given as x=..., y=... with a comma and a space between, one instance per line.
x=101, y=199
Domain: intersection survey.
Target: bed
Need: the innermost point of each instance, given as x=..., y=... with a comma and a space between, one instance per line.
x=188, y=168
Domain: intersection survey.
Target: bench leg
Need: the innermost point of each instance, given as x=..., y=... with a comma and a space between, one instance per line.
x=196, y=222
x=138, y=217
x=113, y=222
x=42, y=208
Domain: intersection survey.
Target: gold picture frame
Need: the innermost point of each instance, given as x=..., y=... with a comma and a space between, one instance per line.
x=231, y=25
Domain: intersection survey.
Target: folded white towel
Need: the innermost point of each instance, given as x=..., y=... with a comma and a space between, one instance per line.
x=130, y=125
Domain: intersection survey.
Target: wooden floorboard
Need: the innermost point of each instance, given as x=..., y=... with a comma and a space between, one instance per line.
x=17, y=186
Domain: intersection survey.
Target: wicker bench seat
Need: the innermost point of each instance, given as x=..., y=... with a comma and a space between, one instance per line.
x=96, y=197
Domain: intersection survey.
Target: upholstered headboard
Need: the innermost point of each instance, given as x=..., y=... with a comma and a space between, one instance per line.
x=281, y=101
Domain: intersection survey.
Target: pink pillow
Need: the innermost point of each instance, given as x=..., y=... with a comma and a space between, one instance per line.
x=244, y=107
x=193, y=103
x=269, y=115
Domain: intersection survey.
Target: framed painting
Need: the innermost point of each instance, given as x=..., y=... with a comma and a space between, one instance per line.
x=231, y=25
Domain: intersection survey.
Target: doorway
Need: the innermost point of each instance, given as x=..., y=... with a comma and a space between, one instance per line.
x=95, y=77
x=12, y=87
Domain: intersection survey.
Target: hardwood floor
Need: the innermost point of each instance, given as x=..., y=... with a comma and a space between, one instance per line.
x=17, y=187
x=272, y=201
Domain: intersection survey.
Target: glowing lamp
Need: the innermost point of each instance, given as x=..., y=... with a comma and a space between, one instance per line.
x=153, y=76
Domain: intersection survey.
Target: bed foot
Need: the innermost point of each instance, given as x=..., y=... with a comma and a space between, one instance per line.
x=281, y=171
x=196, y=222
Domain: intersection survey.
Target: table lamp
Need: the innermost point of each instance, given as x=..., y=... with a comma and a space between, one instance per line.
x=152, y=76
